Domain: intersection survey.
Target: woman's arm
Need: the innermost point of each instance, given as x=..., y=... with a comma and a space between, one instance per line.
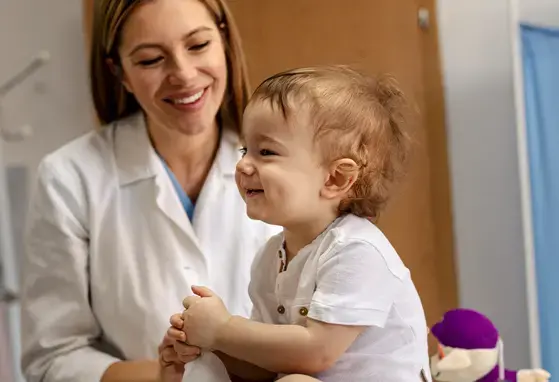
x=132, y=371
x=59, y=331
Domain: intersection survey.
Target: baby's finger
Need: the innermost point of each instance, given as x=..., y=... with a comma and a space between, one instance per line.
x=169, y=355
x=176, y=320
x=186, y=350
x=169, y=340
x=166, y=342
x=187, y=358
x=175, y=334
x=188, y=301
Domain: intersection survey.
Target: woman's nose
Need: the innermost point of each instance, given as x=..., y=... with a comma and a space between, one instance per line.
x=182, y=71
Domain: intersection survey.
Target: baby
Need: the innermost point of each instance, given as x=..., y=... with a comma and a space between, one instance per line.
x=331, y=298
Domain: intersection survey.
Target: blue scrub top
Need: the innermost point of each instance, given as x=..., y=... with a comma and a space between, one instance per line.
x=184, y=199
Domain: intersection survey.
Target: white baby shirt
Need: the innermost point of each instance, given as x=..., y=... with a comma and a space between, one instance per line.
x=349, y=275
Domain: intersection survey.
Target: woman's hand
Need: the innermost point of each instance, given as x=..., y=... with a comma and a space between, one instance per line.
x=174, y=353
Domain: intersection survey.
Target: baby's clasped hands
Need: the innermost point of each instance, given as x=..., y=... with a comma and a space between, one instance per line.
x=205, y=316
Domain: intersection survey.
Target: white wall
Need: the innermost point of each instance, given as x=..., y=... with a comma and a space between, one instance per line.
x=54, y=101
x=479, y=89
x=545, y=12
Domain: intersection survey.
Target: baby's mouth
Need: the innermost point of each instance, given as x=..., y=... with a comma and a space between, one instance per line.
x=254, y=191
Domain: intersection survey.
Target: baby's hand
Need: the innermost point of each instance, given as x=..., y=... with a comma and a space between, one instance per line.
x=204, y=316
x=173, y=355
x=533, y=375
x=175, y=336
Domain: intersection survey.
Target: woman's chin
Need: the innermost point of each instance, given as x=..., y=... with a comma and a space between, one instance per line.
x=194, y=123
x=194, y=126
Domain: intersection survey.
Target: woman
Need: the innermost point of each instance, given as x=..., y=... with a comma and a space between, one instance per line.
x=125, y=220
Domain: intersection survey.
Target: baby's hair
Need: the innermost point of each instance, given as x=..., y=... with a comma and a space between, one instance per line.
x=355, y=116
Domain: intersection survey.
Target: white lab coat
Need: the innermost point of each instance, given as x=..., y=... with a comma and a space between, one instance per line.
x=111, y=254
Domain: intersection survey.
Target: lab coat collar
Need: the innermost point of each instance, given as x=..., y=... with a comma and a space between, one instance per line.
x=228, y=153
x=136, y=158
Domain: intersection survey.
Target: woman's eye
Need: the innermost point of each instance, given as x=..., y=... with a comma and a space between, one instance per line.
x=265, y=152
x=150, y=62
x=243, y=151
x=200, y=46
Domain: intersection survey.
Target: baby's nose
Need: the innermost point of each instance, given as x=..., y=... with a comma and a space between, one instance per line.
x=245, y=166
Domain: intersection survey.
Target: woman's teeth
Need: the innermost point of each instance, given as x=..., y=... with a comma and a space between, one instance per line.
x=184, y=101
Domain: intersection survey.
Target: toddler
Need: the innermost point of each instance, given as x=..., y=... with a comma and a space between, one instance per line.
x=331, y=298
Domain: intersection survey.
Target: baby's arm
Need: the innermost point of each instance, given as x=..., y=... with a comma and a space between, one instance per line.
x=239, y=371
x=356, y=287
x=280, y=348
x=277, y=348
x=286, y=348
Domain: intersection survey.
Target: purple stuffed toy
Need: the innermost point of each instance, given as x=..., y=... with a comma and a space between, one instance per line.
x=471, y=350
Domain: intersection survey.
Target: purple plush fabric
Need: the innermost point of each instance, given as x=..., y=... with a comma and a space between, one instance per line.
x=476, y=330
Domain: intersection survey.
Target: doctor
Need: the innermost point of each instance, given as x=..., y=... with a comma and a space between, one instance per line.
x=124, y=220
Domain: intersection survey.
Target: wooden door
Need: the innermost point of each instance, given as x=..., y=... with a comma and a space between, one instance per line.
x=375, y=36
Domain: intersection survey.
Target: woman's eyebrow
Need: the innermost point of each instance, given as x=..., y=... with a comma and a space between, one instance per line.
x=152, y=45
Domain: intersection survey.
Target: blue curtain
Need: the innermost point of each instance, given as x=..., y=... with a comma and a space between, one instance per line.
x=540, y=50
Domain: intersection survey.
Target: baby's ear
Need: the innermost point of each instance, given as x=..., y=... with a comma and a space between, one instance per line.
x=341, y=176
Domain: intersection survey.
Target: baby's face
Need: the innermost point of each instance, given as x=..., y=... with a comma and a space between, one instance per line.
x=280, y=175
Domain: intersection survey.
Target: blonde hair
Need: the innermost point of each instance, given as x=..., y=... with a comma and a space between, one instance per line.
x=355, y=116
x=111, y=100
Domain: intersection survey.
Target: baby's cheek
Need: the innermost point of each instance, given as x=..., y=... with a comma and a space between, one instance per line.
x=238, y=180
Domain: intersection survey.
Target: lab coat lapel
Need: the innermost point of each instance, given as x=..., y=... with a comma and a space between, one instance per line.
x=136, y=160
x=168, y=201
x=222, y=174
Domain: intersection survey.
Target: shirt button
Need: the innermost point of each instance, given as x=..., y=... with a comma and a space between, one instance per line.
x=303, y=311
x=281, y=309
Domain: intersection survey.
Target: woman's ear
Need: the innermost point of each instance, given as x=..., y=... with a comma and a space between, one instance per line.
x=116, y=70
x=341, y=176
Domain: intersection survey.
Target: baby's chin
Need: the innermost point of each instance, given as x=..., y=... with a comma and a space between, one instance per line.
x=256, y=214
x=260, y=217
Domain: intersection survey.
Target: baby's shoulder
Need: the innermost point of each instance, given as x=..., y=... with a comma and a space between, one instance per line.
x=351, y=229
x=354, y=239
